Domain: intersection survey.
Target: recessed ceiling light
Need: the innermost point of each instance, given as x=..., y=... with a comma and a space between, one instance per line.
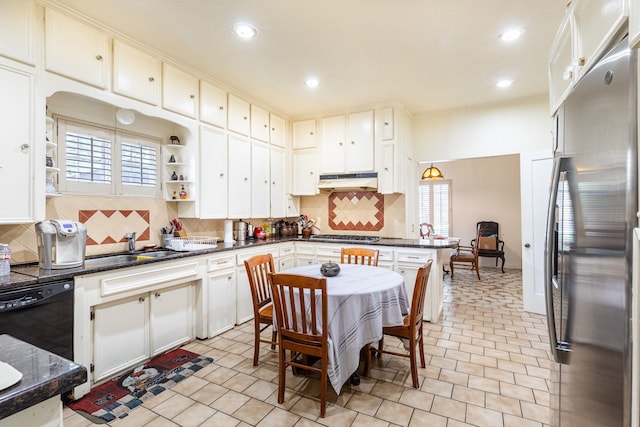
x=504, y=83
x=312, y=82
x=511, y=35
x=245, y=31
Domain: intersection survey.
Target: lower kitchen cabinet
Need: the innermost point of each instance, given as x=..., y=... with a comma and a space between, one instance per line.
x=129, y=331
x=408, y=263
x=244, y=301
x=221, y=294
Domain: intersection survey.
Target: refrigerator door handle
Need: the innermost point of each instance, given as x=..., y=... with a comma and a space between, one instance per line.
x=551, y=256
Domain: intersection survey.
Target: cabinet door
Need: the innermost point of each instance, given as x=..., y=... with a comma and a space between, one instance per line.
x=213, y=173
x=304, y=134
x=277, y=132
x=16, y=30
x=179, y=91
x=238, y=115
x=244, y=302
x=259, y=123
x=120, y=336
x=170, y=318
x=359, y=147
x=278, y=183
x=387, y=123
x=561, y=67
x=260, y=198
x=305, y=181
x=634, y=23
x=135, y=73
x=213, y=105
x=75, y=49
x=19, y=148
x=221, y=302
x=386, y=174
x=239, y=177
x=333, y=144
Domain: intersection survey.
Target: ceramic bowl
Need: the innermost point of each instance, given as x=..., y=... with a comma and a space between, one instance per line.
x=330, y=269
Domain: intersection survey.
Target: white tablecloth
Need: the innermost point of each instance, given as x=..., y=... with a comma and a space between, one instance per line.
x=361, y=300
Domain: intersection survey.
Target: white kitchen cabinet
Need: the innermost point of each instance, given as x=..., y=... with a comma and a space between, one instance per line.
x=286, y=257
x=136, y=74
x=305, y=177
x=634, y=23
x=213, y=105
x=292, y=205
x=260, y=123
x=260, y=180
x=407, y=264
x=277, y=192
x=347, y=143
x=562, y=71
x=239, y=113
x=17, y=29
x=180, y=92
x=277, y=130
x=75, y=49
x=387, y=123
x=304, y=134
x=213, y=181
x=120, y=336
x=170, y=318
x=386, y=173
x=239, y=196
x=221, y=282
x=327, y=252
x=305, y=253
x=22, y=163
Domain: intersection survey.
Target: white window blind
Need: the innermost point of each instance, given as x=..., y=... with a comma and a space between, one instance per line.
x=139, y=164
x=435, y=205
x=88, y=158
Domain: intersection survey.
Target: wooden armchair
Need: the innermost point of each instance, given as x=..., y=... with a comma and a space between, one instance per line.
x=487, y=241
x=465, y=254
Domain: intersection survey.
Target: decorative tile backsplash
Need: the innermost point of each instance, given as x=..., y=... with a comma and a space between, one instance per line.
x=356, y=211
x=106, y=226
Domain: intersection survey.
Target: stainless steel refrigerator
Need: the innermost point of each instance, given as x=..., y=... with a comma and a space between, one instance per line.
x=591, y=217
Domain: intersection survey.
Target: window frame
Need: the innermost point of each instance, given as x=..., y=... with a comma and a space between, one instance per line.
x=430, y=220
x=116, y=187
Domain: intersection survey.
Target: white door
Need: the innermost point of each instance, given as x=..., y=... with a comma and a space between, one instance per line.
x=535, y=178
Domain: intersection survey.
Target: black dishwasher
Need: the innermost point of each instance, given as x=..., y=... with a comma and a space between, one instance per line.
x=41, y=315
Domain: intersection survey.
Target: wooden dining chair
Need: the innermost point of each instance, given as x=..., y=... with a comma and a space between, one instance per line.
x=411, y=329
x=359, y=256
x=258, y=269
x=300, y=304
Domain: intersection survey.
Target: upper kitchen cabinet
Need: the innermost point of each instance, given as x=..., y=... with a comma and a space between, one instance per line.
x=304, y=134
x=213, y=105
x=278, y=189
x=387, y=123
x=75, y=49
x=634, y=23
x=259, y=123
x=239, y=112
x=136, y=74
x=213, y=173
x=305, y=178
x=590, y=27
x=260, y=179
x=277, y=132
x=239, y=177
x=22, y=163
x=179, y=91
x=16, y=30
x=350, y=148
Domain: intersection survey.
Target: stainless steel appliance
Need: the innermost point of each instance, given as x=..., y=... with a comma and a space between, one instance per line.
x=344, y=238
x=41, y=315
x=592, y=213
x=61, y=243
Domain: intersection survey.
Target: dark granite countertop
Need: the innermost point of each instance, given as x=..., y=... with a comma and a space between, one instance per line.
x=27, y=274
x=44, y=375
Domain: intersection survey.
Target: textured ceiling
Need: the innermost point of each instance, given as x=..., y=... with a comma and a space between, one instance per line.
x=425, y=54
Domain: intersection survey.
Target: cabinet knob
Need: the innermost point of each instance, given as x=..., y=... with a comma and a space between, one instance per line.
x=244, y=118
x=192, y=96
x=311, y=173
x=340, y=144
x=151, y=79
x=141, y=299
x=273, y=129
x=386, y=123
x=99, y=57
x=221, y=174
x=25, y=148
x=221, y=108
x=266, y=126
x=246, y=179
x=310, y=133
x=353, y=142
x=527, y=245
x=266, y=181
x=157, y=295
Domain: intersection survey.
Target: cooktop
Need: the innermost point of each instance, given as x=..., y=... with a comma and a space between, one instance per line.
x=345, y=238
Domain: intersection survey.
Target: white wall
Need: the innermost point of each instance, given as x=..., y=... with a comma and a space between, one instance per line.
x=481, y=131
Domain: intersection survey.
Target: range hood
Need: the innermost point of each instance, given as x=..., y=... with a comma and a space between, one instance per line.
x=349, y=181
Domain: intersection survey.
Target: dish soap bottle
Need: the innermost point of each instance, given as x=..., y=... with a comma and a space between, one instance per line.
x=184, y=194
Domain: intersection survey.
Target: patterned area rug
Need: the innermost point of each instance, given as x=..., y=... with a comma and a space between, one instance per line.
x=116, y=398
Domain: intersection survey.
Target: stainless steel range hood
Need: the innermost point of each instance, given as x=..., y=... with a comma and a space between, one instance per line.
x=349, y=181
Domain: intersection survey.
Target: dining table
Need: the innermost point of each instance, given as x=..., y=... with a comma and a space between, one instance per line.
x=361, y=300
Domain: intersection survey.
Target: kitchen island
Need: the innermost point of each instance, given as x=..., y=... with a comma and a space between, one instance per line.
x=35, y=399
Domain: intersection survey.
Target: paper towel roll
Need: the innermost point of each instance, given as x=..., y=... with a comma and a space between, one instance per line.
x=228, y=231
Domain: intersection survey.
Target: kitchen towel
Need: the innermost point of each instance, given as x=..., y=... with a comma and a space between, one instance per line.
x=117, y=397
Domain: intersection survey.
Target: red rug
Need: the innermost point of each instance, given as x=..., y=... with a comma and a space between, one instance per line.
x=117, y=397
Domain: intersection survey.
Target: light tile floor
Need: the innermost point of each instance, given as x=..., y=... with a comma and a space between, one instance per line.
x=487, y=365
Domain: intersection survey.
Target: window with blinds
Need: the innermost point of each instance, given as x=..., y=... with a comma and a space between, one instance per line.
x=98, y=160
x=434, y=205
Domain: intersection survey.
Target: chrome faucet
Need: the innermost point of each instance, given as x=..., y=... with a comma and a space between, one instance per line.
x=131, y=239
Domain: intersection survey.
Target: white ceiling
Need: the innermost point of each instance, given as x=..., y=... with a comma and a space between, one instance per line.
x=425, y=54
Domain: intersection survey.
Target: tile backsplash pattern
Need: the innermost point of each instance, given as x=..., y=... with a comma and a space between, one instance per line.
x=106, y=226
x=356, y=210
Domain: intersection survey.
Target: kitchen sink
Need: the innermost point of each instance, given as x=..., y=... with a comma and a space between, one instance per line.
x=125, y=258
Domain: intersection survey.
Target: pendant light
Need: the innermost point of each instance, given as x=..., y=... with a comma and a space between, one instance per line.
x=432, y=172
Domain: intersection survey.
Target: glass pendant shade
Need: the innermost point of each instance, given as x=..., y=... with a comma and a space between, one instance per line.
x=432, y=173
